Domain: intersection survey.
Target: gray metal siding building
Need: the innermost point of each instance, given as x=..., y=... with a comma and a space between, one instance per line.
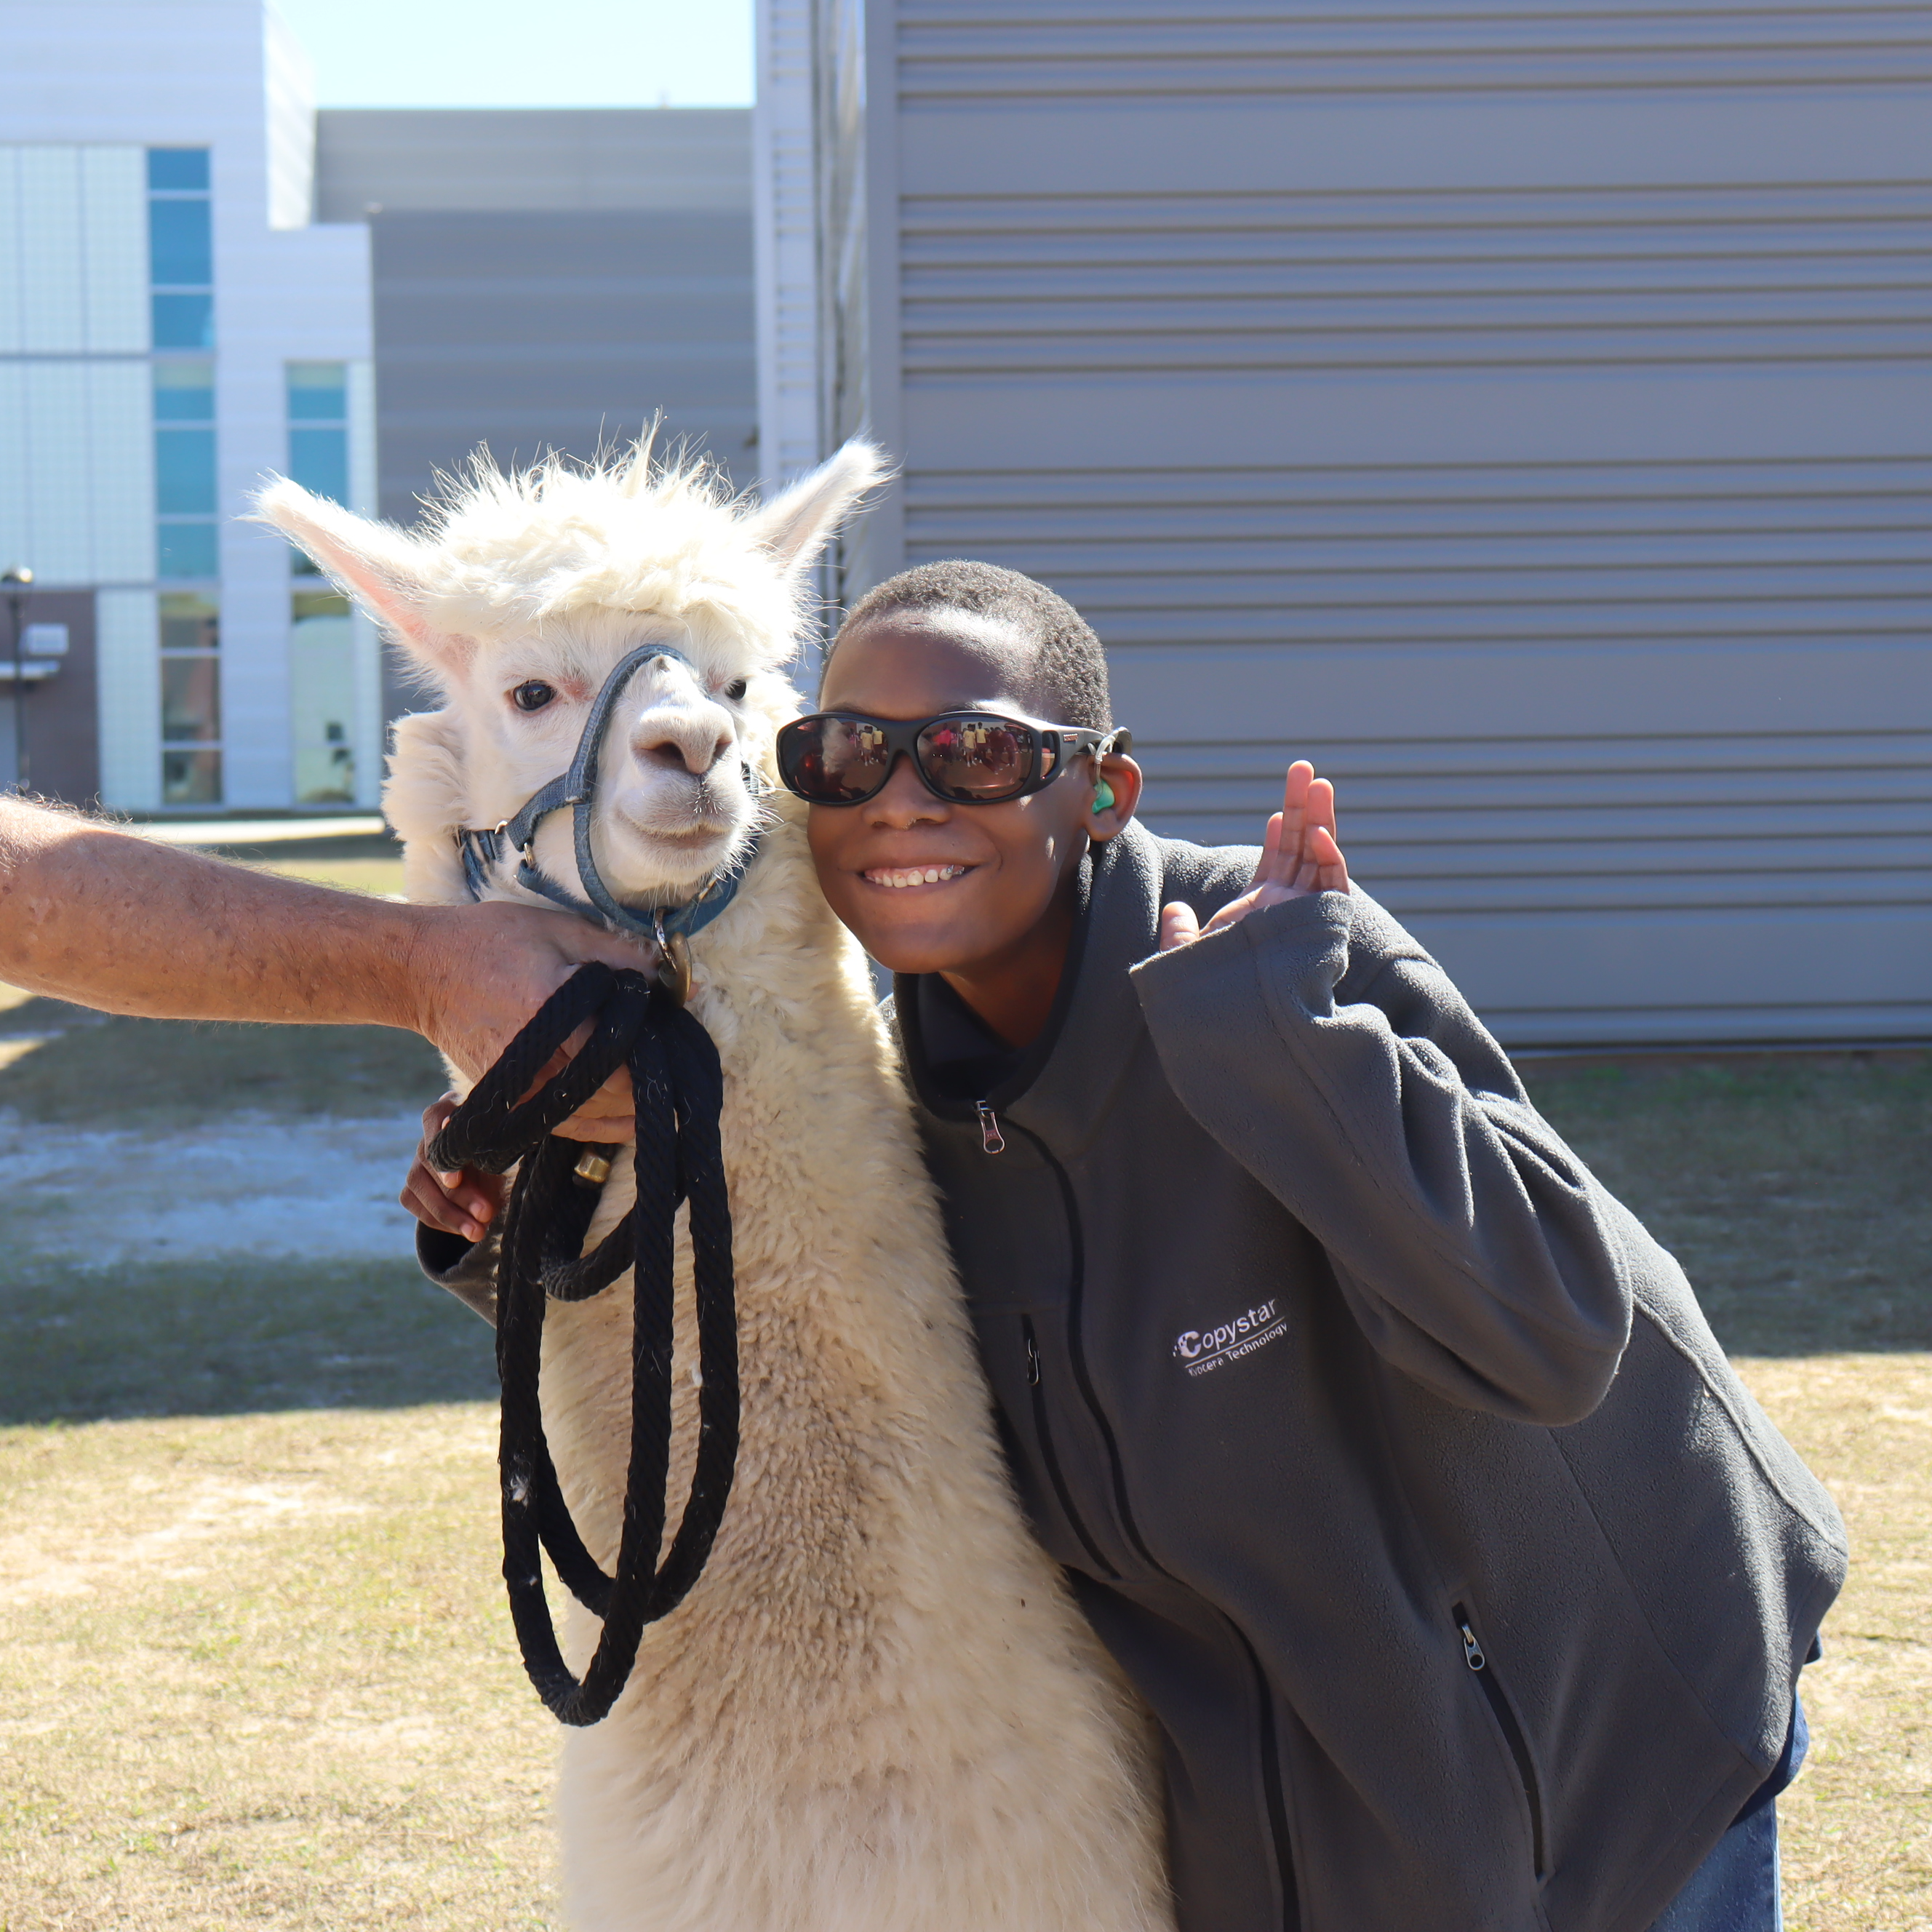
x=1523, y=411
x=549, y=280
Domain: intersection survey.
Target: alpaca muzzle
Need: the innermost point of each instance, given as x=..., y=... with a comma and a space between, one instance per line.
x=483, y=848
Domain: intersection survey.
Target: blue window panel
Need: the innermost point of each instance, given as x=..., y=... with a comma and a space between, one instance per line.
x=183, y=392
x=184, y=322
x=319, y=460
x=318, y=391
x=184, y=473
x=180, y=244
x=188, y=550
x=178, y=168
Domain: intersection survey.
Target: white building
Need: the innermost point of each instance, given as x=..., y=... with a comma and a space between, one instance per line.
x=172, y=327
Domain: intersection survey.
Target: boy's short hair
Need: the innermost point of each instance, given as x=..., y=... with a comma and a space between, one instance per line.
x=1066, y=682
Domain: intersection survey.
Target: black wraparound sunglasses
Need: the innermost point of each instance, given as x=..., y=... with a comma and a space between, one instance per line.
x=966, y=758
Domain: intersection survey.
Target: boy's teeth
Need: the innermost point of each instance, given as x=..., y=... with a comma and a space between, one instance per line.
x=915, y=875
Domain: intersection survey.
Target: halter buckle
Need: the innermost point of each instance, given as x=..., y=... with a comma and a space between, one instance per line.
x=673, y=960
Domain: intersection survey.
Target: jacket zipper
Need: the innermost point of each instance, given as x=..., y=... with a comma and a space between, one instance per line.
x=991, y=1139
x=1478, y=1659
x=1051, y=1459
x=1271, y=1782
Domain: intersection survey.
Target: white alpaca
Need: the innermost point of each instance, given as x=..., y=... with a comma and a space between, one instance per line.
x=878, y=1711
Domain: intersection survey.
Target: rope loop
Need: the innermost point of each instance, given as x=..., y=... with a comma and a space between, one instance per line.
x=679, y=1090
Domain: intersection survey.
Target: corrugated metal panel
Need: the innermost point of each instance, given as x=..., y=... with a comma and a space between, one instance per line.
x=530, y=159
x=784, y=182
x=1523, y=411
x=550, y=280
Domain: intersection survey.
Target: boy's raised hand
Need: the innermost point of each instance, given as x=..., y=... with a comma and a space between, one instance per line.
x=1300, y=855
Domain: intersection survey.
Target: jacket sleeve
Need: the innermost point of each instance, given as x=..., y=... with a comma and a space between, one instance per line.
x=1331, y=1057
x=468, y=1269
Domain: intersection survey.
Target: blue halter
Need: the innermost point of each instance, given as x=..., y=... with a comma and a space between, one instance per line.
x=482, y=849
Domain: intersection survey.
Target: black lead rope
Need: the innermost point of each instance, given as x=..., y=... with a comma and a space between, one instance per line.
x=675, y=1070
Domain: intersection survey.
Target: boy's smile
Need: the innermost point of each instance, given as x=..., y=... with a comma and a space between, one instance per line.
x=981, y=893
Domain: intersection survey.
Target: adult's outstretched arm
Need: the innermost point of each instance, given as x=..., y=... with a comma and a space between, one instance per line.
x=107, y=920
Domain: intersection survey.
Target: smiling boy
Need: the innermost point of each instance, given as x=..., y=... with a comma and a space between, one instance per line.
x=1390, y=1457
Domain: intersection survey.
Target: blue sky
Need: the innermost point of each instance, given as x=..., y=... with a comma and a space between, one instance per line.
x=526, y=53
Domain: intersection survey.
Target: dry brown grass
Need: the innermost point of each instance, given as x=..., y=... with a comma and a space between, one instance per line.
x=254, y=1667
x=1795, y=1190
x=1857, y=1827
x=257, y=1673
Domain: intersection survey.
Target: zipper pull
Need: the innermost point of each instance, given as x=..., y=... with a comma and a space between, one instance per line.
x=991, y=1138
x=1033, y=1359
x=1472, y=1651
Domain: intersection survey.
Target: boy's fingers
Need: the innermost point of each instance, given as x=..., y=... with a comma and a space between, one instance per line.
x=1178, y=926
x=1271, y=837
x=434, y=1209
x=1321, y=805
x=1293, y=820
x=1330, y=868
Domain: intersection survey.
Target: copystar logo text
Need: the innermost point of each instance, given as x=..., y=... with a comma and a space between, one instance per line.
x=1202, y=1349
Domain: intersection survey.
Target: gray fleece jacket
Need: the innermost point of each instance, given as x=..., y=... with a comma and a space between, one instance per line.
x=1394, y=1461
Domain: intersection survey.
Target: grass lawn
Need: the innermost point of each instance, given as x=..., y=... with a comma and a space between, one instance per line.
x=255, y=1668
x=1797, y=1191
x=358, y=864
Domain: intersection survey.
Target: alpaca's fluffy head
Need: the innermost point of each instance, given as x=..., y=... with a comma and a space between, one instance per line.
x=520, y=593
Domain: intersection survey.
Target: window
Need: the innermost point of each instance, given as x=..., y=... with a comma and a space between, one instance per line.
x=183, y=391
x=181, y=247
x=180, y=270
x=190, y=699
x=322, y=640
x=180, y=244
x=184, y=322
x=184, y=472
x=319, y=434
x=322, y=698
x=319, y=392
x=178, y=168
x=185, y=500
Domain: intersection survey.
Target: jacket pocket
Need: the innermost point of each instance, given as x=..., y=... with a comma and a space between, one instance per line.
x=1050, y=1458
x=1483, y=1671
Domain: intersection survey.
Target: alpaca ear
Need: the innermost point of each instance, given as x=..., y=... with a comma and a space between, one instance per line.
x=375, y=563
x=798, y=522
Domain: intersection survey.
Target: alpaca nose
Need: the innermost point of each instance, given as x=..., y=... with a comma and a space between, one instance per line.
x=691, y=740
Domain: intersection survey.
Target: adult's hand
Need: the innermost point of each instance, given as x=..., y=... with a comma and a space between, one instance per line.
x=479, y=972
x=1300, y=855
x=96, y=916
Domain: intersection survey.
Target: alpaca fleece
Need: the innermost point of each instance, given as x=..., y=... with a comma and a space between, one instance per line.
x=879, y=1711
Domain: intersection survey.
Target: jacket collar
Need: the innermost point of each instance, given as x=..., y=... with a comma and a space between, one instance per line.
x=1060, y=1090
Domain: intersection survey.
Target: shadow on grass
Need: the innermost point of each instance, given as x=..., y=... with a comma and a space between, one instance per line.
x=1795, y=1189
x=228, y=1337
x=97, y=1072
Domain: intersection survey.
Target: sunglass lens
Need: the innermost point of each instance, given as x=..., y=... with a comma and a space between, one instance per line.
x=976, y=760
x=833, y=761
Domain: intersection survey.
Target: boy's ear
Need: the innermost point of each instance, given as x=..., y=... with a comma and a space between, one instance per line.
x=798, y=522
x=1122, y=777
x=375, y=563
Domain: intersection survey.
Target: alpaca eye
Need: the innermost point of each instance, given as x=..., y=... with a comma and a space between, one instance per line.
x=533, y=696
x=736, y=689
